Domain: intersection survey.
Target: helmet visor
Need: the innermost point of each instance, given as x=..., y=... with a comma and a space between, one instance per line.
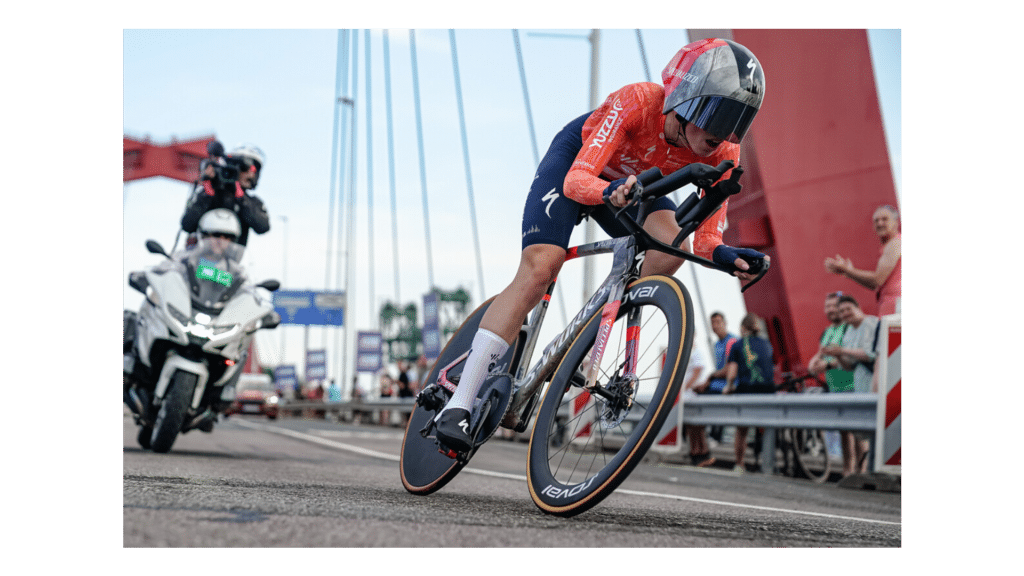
x=723, y=118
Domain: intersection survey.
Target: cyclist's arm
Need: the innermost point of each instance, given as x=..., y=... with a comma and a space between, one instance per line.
x=709, y=235
x=621, y=115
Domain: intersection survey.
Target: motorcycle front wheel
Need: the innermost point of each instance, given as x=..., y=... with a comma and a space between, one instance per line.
x=172, y=411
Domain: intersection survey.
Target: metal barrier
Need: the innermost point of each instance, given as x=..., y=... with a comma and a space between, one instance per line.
x=846, y=412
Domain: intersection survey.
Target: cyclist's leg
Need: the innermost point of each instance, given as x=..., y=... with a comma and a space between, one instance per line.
x=548, y=220
x=538, y=266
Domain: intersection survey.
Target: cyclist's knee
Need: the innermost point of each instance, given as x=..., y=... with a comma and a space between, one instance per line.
x=539, y=266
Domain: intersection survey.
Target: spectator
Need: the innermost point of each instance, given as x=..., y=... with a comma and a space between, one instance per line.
x=387, y=390
x=226, y=182
x=357, y=396
x=749, y=371
x=716, y=380
x=886, y=278
x=836, y=378
x=333, y=391
x=700, y=455
x=856, y=353
x=316, y=394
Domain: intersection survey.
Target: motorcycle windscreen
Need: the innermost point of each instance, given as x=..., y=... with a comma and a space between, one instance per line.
x=215, y=273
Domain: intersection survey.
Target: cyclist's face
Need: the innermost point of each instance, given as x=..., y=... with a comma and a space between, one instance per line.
x=686, y=135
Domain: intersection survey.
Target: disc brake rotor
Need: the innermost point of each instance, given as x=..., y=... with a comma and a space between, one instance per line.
x=615, y=405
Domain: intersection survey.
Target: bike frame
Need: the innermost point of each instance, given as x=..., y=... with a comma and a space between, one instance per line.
x=625, y=266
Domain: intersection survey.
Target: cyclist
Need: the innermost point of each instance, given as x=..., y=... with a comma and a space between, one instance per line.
x=214, y=191
x=710, y=92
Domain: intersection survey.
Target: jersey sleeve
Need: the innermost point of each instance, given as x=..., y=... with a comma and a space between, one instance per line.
x=621, y=115
x=709, y=235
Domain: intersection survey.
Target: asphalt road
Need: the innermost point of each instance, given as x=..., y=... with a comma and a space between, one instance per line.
x=308, y=483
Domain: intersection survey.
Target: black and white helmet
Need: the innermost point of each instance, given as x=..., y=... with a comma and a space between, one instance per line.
x=716, y=85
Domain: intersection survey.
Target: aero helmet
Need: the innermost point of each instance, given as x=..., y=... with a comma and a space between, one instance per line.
x=716, y=85
x=220, y=221
x=251, y=158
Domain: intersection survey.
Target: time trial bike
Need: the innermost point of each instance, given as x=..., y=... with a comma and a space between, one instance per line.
x=611, y=377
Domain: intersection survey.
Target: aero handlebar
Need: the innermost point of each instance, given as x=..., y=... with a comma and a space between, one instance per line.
x=693, y=211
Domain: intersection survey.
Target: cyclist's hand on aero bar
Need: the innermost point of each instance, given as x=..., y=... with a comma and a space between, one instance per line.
x=618, y=191
x=749, y=263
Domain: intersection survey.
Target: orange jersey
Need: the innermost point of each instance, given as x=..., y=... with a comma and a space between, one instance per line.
x=624, y=136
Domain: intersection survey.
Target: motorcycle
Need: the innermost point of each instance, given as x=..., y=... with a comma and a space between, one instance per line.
x=186, y=347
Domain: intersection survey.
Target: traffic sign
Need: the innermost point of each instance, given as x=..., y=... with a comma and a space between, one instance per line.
x=310, y=308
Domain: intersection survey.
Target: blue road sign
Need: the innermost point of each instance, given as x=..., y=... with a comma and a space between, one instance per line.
x=284, y=377
x=369, y=356
x=316, y=365
x=309, y=308
x=431, y=327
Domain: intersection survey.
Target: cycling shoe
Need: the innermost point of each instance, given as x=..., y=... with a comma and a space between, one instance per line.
x=453, y=429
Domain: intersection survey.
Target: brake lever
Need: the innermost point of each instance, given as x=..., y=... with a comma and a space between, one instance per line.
x=757, y=265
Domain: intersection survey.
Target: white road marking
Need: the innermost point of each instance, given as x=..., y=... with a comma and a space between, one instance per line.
x=506, y=476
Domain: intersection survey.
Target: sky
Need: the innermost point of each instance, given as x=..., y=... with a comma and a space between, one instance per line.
x=174, y=89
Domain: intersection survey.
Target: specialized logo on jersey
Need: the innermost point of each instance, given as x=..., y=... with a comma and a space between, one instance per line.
x=550, y=198
x=607, y=125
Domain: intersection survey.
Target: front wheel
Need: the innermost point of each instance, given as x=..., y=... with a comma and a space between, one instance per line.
x=172, y=411
x=585, y=443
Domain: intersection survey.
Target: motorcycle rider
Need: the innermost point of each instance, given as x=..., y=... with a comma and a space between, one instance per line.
x=225, y=182
x=215, y=256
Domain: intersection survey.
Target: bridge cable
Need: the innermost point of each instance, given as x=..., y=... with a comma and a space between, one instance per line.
x=337, y=153
x=533, y=141
x=391, y=165
x=374, y=318
x=465, y=156
x=423, y=168
x=349, y=252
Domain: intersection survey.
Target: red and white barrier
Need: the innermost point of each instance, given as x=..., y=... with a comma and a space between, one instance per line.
x=887, y=436
x=670, y=437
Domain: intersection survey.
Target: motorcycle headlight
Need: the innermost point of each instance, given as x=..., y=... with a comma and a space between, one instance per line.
x=272, y=400
x=152, y=296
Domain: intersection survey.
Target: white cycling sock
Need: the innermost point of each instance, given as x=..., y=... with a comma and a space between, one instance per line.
x=487, y=348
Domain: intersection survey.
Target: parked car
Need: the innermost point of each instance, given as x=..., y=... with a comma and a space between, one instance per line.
x=255, y=395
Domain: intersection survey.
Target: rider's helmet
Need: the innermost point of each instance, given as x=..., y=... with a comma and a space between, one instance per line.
x=716, y=85
x=249, y=157
x=220, y=222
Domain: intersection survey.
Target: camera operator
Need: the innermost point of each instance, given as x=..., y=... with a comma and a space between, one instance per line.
x=225, y=182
